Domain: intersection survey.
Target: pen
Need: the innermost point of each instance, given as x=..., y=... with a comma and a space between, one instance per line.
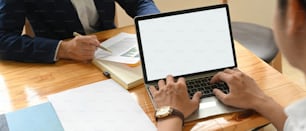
x=100, y=46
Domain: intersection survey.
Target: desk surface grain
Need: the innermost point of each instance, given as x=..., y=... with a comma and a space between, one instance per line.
x=26, y=84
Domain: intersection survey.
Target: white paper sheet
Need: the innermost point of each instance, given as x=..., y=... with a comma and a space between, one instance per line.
x=124, y=49
x=101, y=106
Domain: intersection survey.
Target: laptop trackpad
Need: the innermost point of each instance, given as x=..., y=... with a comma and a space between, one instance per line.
x=211, y=106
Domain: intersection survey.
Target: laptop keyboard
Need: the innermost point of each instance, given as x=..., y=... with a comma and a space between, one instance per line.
x=203, y=85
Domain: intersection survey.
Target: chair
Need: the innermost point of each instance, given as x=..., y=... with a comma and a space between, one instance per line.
x=258, y=39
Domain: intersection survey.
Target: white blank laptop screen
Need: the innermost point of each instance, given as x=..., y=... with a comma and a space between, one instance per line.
x=186, y=43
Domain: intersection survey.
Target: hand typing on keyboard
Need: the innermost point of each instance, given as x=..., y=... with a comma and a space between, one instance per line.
x=175, y=95
x=243, y=89
x=245, y=93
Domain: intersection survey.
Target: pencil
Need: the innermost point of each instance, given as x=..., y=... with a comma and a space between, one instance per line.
x=100, y=46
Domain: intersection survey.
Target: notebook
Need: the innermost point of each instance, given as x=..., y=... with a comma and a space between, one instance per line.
x=123, y=64
x=193, y=43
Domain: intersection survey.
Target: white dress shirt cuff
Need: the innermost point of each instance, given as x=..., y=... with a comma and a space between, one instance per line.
x=56, y=51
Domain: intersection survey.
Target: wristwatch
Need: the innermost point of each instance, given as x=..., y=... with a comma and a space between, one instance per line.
x=167, y=111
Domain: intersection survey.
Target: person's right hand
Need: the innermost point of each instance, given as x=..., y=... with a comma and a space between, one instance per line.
x=244, y=92
x=80, y=48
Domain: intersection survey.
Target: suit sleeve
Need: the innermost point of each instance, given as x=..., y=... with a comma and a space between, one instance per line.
x=13, y=45
x=138, y=7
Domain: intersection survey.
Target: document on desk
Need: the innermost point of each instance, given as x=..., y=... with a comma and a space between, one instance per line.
x=124, y=49
x=101, y=106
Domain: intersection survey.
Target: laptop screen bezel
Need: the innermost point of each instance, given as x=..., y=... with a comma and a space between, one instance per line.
x=146, y=17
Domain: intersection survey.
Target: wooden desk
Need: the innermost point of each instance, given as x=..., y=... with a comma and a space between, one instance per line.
x=26, y=84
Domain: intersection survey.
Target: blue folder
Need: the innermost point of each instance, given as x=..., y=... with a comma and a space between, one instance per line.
x=40, y=117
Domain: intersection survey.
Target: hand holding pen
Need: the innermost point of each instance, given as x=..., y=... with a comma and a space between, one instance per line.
x=100, y=46
x=80, y=48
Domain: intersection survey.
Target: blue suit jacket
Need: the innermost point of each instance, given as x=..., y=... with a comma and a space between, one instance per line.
x=53, y=20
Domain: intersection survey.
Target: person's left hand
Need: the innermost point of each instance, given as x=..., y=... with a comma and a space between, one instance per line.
x=175, y=94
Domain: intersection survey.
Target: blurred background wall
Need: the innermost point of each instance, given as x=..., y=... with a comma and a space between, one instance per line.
x=254, y=11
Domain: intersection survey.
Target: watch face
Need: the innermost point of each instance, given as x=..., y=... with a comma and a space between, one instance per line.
x=163, y=112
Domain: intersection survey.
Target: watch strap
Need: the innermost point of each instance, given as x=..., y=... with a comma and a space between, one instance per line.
x=179, y=114
x=174, y=112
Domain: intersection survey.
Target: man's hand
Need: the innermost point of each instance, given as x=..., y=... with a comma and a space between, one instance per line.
x=175, y=94
x=244, y=92
x=80, y=48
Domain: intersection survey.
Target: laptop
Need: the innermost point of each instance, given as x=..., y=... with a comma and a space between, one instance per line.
x=194, y=44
